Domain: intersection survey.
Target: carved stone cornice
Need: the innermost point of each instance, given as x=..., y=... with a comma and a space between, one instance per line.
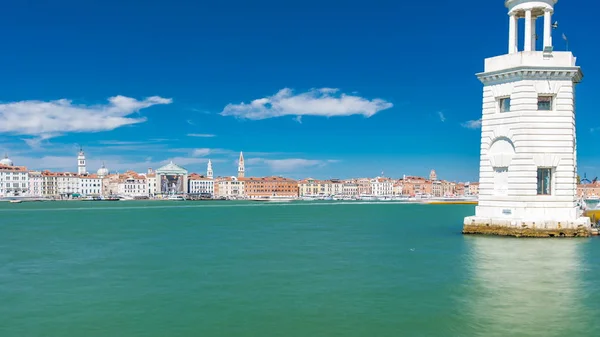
x=531, y=73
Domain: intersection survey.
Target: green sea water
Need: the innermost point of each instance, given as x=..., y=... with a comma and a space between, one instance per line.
x=298, y=269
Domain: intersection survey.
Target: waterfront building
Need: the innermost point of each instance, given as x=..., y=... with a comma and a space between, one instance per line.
x=472, y=188
x=171, y=179
x=528, y=145
x=14, y=180
x=459, y=189
x=437, y=188
x=417, y=186
x=364, y=186
x=311, y=187
x=49, y=184
x=90, y=185
x=449, y=188
x=67, y=185
x=151, y=180
x=589, y=190
x=132, y=184
x=337, y=187
x=36, y=184
x=381, y=186
x=432, y=175
x=200, y=185
x=229, y=187
x=270, y=186
x=241, y=166
x=398, y=187
x=350, y=188
x=110, y=185
x=81, y=163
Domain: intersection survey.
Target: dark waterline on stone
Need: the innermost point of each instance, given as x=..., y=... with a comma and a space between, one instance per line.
x=299, y=269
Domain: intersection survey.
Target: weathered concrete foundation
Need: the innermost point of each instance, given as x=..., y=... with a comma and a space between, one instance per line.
x=534, y=229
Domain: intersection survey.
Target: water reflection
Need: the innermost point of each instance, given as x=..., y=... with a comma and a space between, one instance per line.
x=527, y=287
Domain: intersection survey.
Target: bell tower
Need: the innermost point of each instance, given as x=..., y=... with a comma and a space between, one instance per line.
x=209, y=170
x=241, y=166
x=81, y=162
x=528, y=159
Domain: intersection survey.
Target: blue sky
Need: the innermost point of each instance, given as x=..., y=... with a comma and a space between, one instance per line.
x=140, y=83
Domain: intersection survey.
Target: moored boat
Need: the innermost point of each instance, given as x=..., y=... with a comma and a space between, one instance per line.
x=176, y=198
x=274, y=198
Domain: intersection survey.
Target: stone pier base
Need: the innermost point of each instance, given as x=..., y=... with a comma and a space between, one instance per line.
x=520, y=228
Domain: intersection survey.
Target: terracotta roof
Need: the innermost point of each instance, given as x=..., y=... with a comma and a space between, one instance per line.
x=13, y=168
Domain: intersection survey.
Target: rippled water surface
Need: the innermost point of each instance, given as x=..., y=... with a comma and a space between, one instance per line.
x=298, y=269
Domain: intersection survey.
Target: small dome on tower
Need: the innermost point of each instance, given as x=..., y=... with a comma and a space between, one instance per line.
x=6, y=161
x=102, y=171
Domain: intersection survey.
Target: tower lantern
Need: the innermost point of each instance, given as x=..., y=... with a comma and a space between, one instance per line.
x=530, y=11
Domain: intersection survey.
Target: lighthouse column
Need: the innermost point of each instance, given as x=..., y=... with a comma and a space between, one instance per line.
x=547, y=27
x=528, y=31
x=513, y=37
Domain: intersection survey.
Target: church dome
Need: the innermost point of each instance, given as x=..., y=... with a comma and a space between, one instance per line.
x=6, y=161
x=103, y=171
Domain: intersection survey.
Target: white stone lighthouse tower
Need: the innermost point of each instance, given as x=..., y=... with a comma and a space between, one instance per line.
x=528, y=164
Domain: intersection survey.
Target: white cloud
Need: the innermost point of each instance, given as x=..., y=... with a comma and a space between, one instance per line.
x=441, y=116
x=201, y=152
x=316, y=102
x=47, y=119
x=288, y=165
x=472, y=124
x=201, y=135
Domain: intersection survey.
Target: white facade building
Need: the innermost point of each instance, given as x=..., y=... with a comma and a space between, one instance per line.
x=151, y=181
x=67, y=184
x=201, y=185
x=133, y=185
x=14, y=180
x=90, y=185
x=382, y=186
x=528, y=147
x=350, y=189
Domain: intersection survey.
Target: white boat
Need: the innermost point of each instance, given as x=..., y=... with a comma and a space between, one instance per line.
x=309, y=198
x=274, y=198
x=176, y=198
x=16, y=201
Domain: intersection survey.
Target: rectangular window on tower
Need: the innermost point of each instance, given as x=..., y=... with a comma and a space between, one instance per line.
x=504, y=104
x=544, y=103
x=544, y=181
